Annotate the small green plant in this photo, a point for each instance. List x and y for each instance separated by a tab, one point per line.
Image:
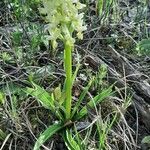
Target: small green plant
107	8
103	128
5	57
143	47
146	139
63	20
99	77
24	9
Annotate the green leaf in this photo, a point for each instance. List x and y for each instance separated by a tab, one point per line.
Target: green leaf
100	7
2	97
82	96
75	73
97	99
48	133
2	135
143	47
146	140
70	141
41	95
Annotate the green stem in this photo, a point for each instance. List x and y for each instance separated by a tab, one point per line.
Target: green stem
68	83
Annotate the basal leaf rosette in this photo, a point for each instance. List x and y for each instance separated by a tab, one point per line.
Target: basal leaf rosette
63	19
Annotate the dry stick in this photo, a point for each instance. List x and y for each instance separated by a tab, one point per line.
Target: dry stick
141	87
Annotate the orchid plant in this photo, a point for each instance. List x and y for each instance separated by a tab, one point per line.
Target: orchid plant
63	19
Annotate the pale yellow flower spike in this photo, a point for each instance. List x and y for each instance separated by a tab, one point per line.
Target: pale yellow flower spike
63	19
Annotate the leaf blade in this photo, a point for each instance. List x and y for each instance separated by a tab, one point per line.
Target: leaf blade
97	99
41	95
70	141
49	132
82	95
